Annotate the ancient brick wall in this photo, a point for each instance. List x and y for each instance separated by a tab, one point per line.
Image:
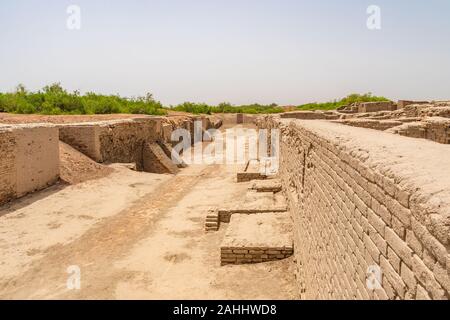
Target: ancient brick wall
29	161
362	198
112	141
239	255
83	137
376	106
122	141
7	166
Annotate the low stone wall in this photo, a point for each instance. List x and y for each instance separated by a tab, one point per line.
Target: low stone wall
362	199
29	159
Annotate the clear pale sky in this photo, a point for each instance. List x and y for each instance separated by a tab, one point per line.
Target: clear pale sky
288	52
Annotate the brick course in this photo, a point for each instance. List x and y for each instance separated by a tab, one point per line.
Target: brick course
349	216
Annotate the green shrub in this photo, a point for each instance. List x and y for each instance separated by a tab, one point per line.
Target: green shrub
225	107
54	99
348	100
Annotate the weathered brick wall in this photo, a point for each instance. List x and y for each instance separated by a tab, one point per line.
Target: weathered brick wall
122	141
83	137
376	106
112	141
7	166
362	198
29	161
239	255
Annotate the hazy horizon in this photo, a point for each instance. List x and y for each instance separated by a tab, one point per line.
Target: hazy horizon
285	52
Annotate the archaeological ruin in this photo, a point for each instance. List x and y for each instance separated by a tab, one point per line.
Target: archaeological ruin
361	189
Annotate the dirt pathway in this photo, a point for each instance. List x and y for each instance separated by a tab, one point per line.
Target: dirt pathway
155	249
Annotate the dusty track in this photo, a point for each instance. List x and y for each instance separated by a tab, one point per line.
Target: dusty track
156	248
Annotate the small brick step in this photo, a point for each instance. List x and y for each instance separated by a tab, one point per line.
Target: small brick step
212	222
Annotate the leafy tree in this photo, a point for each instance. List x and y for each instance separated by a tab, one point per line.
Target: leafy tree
348	100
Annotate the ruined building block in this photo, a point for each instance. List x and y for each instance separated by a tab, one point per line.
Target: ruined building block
362	199
29	159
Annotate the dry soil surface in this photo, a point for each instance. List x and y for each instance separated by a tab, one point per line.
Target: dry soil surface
75	167
132	235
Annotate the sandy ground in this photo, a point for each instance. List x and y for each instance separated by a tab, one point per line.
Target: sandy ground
133	235
75	167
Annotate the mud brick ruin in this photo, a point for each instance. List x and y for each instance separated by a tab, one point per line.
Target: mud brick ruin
359	198
29	159
30	152
364	186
